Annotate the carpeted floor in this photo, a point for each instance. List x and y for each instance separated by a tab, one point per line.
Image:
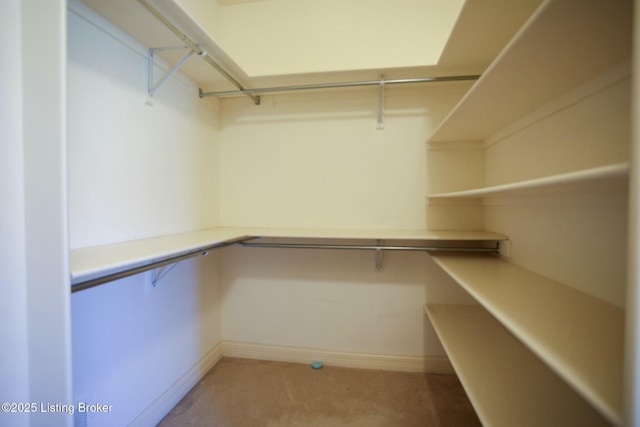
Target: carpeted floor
247	393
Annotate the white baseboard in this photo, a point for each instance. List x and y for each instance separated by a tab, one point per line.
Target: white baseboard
170	398
427	364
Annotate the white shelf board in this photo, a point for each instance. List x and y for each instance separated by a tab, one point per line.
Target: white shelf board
599	178
578	336
369	234
91	262
176	13
87	263
565	44
506	383
133	18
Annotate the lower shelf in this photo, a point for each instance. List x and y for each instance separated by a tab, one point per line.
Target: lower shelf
580	337
507	384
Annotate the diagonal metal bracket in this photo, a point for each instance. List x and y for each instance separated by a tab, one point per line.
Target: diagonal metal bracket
152	87
158	273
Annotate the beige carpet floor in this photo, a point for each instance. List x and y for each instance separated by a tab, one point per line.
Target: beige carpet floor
247	393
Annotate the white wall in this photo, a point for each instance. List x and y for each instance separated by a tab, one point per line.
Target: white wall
632	356
44	133
316	160
334	300
137	171
330	300
133	341
14	368
36	355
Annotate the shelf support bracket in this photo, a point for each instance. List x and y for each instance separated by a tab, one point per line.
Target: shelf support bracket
380	124
379	256
153	87
158	273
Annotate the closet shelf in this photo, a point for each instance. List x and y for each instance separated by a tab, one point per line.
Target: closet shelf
506	383
100	262
139	21
535	68
578	336
163	25
89	263
369	234
604	177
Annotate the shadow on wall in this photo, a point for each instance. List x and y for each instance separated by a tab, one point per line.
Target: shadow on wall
132	341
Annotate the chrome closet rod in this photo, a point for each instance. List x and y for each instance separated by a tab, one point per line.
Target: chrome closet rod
90	283
193	46
340	85
367	247
86	284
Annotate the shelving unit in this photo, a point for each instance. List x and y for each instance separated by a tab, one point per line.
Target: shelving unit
550	56
536	351
579	336
146	28
102	261
539	107
507	384
599	178
92	262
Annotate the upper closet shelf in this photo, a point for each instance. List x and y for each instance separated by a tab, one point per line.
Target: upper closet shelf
214	55
604	177
578	336
536	67
190	30
101	264
222	73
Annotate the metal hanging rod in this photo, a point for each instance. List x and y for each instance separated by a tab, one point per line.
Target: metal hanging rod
252	92
243	241
368	247
153	265
378	248
340	85
195	48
